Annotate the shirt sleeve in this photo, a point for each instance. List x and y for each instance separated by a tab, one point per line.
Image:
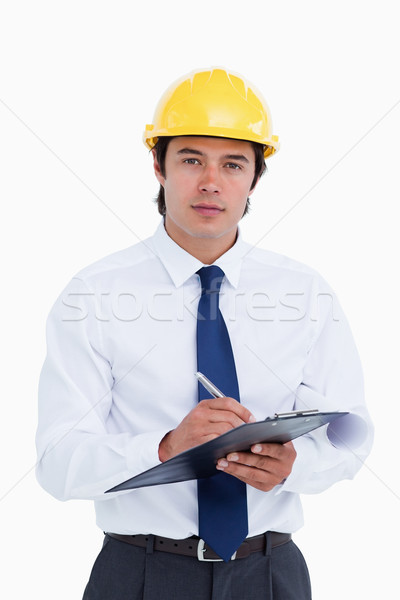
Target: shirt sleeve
77	457
332	381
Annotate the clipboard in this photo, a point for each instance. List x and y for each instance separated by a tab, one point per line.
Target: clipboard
199	462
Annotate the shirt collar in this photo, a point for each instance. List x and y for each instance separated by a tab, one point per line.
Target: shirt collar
181	265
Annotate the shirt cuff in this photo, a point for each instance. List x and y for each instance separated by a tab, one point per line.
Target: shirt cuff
142	451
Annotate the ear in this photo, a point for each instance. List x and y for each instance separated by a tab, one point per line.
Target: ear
157	170
255	185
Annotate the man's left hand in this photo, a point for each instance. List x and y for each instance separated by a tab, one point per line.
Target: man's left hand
264	467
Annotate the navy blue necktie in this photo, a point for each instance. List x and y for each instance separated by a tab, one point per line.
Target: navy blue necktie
222	498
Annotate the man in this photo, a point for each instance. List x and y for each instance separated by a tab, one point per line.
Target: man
118	393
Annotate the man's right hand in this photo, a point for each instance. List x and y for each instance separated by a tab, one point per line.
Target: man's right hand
209	419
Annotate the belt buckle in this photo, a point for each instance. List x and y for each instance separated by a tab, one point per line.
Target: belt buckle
200	554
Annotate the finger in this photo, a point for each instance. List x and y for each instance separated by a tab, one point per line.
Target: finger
272	450
230	405
196	431
215	428
279	465
264	463
257	478
203	415
224	416
278	451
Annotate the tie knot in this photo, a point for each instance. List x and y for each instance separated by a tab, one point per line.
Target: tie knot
211	278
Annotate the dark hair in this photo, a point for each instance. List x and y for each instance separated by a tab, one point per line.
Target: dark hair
161	151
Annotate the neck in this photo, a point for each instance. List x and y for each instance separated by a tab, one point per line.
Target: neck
206	249
208	253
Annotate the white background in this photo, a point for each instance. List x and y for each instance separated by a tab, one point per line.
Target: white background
78	82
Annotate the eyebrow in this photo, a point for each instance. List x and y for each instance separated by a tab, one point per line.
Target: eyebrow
240	157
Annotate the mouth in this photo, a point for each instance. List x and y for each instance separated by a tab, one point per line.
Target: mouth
207	210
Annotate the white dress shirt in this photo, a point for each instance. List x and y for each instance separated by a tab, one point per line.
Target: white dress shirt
119	374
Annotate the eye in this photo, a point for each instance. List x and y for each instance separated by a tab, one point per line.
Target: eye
191	161
233	166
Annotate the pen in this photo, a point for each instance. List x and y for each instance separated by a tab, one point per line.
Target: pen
210	387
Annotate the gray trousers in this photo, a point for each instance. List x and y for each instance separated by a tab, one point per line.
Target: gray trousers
125	572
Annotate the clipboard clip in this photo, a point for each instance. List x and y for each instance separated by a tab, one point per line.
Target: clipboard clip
297	413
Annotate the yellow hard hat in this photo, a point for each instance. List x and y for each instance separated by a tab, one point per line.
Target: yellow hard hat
213	102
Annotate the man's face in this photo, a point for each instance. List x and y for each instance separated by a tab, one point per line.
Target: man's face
206	187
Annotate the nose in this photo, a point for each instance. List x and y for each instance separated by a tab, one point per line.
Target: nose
210	180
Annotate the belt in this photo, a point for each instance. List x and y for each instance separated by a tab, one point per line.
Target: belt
196	547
